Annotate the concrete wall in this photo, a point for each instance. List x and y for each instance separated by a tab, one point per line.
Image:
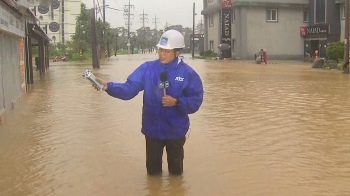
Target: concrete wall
281	39
240	27
214	32
333	20
342	23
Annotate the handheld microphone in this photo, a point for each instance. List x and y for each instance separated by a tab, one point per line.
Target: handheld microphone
164	79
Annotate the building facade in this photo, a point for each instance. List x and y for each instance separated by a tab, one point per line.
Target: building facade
324	26
12	32
341	6
58	19
254	25
18	33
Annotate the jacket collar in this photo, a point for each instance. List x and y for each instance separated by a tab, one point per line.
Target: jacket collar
172	65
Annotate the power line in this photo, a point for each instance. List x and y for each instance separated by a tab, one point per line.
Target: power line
99	8
156	21
128	15
143	19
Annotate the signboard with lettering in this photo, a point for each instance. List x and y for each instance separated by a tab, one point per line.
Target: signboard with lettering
21	63
11	22
226	26
198	35
314	30
226	4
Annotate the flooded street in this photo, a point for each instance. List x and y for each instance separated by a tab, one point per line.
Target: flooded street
276	130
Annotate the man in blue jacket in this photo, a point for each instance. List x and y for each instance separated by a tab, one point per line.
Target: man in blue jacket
172	91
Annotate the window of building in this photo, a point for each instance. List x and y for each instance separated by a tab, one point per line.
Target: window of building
320	11
211	45
233	44
233	15
306	16
211	20
271	15
343	11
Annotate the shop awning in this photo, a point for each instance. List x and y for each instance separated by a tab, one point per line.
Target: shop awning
211	9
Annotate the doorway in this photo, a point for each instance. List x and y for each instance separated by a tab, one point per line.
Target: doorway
314	45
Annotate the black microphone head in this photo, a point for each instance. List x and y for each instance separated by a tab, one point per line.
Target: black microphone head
163	76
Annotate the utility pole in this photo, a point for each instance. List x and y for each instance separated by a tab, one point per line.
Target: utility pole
116	43
194	15
105	41
143	19
346	45
62	26
80	49
155	27
95	60
128	14
155	21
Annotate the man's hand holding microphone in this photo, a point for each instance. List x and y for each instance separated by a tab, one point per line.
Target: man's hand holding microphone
167	100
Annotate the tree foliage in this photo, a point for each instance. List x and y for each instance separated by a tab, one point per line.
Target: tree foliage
143	38
335	51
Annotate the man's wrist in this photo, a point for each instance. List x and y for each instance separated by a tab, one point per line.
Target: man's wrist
177	102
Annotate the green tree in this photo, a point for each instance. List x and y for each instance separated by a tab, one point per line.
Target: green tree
81	39
335	51
83	26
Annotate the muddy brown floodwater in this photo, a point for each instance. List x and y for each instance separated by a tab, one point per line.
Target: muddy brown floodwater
276	130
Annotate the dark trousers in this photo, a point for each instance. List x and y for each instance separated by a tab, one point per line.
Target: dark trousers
175	155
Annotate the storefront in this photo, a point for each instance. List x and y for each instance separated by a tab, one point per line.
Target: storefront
15	52
315	40
198	42
11	55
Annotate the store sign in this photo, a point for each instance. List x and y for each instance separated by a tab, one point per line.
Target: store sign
21	63
11	23
226	26
198	35
226	4
314	30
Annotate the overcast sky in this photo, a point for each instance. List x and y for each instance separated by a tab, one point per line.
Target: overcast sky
172	11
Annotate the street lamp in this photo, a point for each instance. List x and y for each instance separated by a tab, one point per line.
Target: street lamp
346	33
194	16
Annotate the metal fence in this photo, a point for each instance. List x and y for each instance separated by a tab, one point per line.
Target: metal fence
10	72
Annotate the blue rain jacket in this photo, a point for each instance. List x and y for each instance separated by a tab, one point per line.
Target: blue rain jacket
161	122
